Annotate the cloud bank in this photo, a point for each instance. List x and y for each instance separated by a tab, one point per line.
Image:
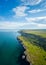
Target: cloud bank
24	25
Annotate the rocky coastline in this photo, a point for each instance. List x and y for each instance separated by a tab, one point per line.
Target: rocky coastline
23	59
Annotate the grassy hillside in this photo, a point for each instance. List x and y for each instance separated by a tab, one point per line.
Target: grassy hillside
35	44
41	33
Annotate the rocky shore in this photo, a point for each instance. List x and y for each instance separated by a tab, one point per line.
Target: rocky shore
23	59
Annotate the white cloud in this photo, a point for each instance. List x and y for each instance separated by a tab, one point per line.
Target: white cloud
36	11
20	25
31	2
33	22
33	25
42	25
20	11
35	19
11	25
39	25
15	25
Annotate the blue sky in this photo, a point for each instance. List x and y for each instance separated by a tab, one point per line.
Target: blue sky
22	14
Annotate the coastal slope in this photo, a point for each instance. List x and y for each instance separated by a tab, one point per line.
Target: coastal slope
35	44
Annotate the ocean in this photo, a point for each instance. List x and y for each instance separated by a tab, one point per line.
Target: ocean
10	48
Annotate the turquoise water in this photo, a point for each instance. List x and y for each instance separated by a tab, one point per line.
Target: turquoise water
10	48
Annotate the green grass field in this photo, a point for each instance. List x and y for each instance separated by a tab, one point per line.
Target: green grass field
35	45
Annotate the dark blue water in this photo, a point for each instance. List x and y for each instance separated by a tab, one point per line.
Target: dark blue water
10	48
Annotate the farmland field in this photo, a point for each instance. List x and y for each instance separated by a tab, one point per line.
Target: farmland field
34	41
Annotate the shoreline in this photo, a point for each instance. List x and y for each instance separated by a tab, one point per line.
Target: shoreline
24	54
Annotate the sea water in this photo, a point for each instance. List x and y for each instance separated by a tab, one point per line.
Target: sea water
10	48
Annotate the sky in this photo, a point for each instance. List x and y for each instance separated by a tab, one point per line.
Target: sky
22	14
